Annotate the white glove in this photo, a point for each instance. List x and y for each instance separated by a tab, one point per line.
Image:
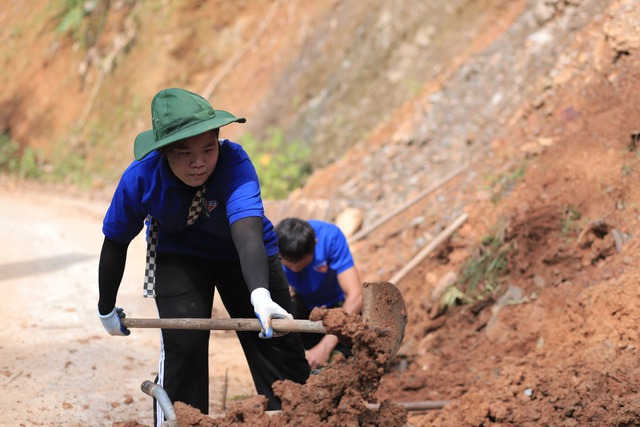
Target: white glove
112	323
266	309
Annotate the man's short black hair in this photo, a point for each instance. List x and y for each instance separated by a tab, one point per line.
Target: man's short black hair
296	239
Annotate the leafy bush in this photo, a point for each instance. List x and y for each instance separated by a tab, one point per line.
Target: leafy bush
281	167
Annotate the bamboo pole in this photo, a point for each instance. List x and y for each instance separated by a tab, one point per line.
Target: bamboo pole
365	231
445	234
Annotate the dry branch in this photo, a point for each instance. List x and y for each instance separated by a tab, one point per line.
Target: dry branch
365	231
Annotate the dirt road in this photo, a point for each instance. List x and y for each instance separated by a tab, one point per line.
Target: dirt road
57	364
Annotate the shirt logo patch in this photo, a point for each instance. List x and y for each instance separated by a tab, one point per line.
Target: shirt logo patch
321	267
211	205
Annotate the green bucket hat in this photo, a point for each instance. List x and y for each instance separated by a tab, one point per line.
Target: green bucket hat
178	114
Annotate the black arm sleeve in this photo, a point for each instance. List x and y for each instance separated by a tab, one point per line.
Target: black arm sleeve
110	271
248	238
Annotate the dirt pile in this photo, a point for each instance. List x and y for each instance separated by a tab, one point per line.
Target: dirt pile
341	394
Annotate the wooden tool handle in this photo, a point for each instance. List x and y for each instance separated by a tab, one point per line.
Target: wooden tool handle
279	325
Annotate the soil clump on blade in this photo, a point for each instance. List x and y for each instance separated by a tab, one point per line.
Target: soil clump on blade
341	394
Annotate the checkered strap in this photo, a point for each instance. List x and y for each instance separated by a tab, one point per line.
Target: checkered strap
197	205
149	290
196	208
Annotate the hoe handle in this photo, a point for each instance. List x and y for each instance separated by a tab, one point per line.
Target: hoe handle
279	325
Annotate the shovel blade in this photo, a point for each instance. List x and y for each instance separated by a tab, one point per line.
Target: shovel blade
383	308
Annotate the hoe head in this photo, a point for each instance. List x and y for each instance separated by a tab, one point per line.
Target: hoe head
383	309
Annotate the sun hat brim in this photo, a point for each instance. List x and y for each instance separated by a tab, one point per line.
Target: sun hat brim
146	141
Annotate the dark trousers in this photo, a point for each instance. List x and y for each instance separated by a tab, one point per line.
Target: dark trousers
185	288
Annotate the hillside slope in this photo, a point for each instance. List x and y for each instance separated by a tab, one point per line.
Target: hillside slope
556	344
324	72
538	100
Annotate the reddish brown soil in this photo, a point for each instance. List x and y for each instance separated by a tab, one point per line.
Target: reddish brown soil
562	348
338	395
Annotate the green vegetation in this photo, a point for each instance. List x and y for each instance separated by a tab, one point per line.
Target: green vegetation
505	183
29	164
25	165
481	273
570	221
281	167
70	167
452	295
82	20
9	154
71	17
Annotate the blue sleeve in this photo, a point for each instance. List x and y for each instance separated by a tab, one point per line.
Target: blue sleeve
125	217
339	255
241	185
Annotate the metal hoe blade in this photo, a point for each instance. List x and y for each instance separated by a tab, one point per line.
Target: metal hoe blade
383	308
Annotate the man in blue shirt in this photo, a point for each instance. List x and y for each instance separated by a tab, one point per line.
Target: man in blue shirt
321	272
200	198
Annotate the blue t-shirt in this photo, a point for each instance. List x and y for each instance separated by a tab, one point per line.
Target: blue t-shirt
317	284
149	188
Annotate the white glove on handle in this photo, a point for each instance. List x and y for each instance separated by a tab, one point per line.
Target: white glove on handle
112	323
266	309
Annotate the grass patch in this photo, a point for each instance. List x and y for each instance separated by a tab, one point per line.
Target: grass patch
481	273
503	184
67	165
26	165
570	222
9	154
